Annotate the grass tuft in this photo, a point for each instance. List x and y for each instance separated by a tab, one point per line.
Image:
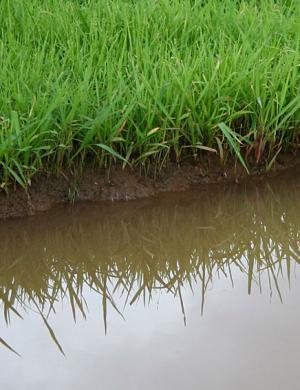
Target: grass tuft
132	82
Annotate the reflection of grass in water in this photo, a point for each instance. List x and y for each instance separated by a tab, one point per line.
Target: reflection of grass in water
177	247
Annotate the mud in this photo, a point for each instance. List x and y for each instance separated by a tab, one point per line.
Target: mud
115	184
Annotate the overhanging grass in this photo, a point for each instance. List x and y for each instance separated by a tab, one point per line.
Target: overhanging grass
133	81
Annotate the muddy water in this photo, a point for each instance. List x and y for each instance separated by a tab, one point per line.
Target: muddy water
193	291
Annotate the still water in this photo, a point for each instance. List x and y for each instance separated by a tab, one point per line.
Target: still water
191	291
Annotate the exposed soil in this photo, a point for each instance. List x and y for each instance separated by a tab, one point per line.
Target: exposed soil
97	185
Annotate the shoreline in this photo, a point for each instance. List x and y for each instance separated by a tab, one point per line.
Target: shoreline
117	184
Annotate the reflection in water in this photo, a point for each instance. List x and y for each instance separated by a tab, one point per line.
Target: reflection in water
126	253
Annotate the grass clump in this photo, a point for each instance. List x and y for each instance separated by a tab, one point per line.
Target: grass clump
143	82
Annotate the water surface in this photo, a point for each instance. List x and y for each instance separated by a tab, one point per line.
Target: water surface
190	291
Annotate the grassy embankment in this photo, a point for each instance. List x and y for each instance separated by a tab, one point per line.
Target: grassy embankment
143	82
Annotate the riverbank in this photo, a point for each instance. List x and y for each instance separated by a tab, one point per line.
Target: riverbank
100	185
148	85
150	289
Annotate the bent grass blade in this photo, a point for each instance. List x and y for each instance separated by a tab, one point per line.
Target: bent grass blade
234	142
6	345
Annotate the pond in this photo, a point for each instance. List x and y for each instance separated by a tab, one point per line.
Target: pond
183	291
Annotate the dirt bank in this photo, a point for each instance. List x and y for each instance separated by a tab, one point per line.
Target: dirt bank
46	191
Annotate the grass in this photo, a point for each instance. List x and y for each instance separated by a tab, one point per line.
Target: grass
145	82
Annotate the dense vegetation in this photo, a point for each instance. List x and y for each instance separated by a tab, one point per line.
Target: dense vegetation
143	82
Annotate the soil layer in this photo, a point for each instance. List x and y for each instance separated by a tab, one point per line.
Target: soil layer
98	185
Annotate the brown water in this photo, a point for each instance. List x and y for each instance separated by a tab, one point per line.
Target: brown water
191	291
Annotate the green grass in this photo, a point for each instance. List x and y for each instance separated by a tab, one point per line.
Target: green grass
143	82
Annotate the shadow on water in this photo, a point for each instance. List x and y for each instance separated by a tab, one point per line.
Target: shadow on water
126	252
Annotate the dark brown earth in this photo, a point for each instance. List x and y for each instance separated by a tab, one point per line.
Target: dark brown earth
98	185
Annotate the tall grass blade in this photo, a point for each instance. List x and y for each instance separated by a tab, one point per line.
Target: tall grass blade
233	141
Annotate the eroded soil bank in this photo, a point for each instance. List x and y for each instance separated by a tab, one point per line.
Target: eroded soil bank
151	289
98	185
